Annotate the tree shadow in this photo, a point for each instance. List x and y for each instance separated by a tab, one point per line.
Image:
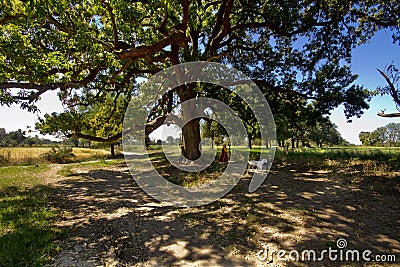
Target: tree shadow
25	217
111	220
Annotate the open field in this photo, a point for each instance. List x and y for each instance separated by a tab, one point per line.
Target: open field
33	155
90	214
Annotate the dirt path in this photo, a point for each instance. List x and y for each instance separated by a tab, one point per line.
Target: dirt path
109	221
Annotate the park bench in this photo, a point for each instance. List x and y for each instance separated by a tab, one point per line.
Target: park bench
257	165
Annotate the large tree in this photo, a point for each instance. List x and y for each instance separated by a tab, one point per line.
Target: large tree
87	49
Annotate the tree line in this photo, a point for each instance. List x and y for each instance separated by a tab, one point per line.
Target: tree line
388	135
19	138
303	134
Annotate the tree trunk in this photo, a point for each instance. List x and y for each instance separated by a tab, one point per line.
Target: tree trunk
191	139
112	150
191	131
249	142
293	142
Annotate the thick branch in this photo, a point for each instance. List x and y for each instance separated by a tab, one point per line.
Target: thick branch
11	17
59	25
147	51
149	128
393	91
389	115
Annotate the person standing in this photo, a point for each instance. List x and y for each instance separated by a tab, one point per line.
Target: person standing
224	154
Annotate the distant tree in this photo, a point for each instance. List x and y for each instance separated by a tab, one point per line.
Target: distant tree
365	138
3	135
388	135
325	132
213	130
17	137
170	140
73	141
393	134
30	141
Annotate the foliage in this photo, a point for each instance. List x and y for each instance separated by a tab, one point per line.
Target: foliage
325	132
102	120
59	154
212	129
296	51
388	135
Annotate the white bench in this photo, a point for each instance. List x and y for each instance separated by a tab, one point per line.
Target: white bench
257	165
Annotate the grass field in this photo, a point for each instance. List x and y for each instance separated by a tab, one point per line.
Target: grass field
29	210
33	155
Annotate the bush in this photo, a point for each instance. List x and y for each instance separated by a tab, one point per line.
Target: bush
5	158
59	154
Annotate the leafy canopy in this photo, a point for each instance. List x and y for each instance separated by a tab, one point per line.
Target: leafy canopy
90	50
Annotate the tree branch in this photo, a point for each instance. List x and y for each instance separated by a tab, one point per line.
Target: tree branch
112	18
389	115
59	25
149	128
393	91
147	51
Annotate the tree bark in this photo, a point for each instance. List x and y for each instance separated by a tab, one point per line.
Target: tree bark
389	115
191	140
112	149
249	142
191	131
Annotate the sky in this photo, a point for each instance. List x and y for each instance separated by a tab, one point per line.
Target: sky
366	58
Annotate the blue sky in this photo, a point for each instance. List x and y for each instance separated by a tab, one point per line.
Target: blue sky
366	58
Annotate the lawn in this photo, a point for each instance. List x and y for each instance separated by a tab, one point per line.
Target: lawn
26	216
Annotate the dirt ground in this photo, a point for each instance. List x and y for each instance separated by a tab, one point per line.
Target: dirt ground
109	221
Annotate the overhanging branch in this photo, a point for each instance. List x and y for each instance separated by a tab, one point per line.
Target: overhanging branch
389	115
149	128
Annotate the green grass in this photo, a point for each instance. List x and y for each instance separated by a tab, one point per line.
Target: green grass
26	216
320	156
21	176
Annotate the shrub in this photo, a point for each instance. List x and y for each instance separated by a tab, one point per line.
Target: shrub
5	158
59	154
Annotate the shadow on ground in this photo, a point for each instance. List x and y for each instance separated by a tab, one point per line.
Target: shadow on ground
110	221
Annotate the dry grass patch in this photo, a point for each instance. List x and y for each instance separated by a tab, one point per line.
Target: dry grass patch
33	155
